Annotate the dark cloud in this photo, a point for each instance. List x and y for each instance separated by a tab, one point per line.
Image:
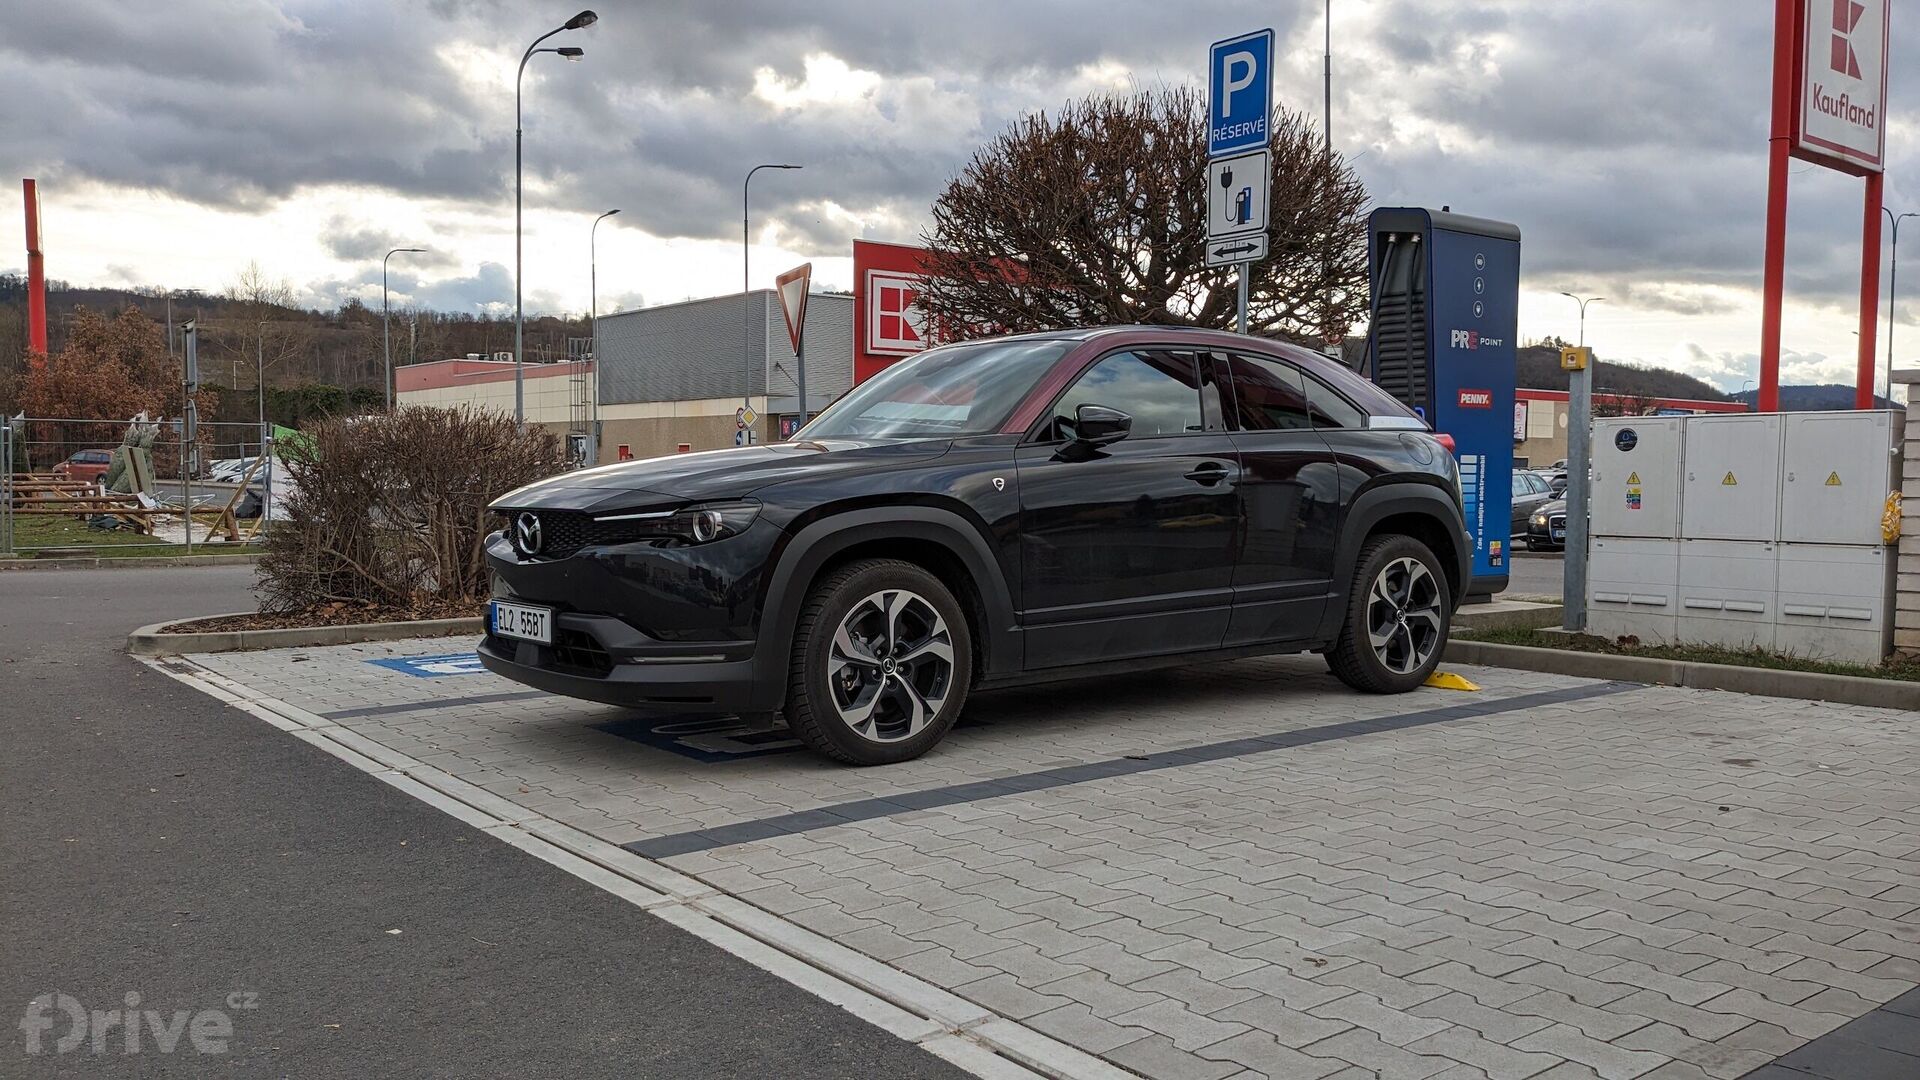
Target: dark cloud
1627	139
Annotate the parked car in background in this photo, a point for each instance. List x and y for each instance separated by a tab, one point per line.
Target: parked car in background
1530	491
1557	483
988	514
88	465
229	470
1547	527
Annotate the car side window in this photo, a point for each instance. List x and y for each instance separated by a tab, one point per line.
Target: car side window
1330	410
1268	395
1160	390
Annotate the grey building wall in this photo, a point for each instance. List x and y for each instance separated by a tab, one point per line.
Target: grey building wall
693	350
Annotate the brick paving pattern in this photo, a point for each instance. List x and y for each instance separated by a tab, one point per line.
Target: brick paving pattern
1645	881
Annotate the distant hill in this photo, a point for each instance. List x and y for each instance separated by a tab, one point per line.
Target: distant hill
1826	397
1540	370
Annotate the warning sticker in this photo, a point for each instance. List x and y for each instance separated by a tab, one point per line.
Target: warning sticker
1729	481
1633	498
1633	478
1833	479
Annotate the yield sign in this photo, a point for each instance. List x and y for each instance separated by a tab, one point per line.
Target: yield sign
792	287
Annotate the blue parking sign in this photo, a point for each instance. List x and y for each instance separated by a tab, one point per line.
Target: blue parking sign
1240	92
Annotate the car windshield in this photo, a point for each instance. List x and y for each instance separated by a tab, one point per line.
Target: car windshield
955	390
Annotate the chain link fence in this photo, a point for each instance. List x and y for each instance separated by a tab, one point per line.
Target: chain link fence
119	487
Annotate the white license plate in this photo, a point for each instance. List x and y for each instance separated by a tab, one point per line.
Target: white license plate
1559	534
522	621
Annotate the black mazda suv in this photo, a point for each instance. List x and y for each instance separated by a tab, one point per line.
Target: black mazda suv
988	514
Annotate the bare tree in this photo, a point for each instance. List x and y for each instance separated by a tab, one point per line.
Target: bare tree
1097	214
264	325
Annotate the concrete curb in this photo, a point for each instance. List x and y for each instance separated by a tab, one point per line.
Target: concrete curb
1505	614
149	641
131	562
1768	682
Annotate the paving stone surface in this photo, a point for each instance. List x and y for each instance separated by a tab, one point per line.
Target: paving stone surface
1615	882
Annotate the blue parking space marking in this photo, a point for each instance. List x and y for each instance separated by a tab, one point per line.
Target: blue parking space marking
433	667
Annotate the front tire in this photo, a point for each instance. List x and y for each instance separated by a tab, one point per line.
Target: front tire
882	663
1399	612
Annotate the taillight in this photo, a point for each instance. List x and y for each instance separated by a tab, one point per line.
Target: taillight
1446	440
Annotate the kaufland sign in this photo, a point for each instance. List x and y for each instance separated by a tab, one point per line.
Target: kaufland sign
1842	114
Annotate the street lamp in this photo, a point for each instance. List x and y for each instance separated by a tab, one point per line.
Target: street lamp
593	326
386	338
1583	312
746	307
1573	590
1893	283
585	18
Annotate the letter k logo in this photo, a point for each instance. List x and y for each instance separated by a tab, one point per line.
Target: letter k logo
1846	16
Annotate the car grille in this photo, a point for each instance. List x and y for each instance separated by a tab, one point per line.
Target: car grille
564	532
1557	521
579	650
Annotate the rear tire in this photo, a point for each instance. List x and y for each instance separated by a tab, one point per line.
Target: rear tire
1399	612
882	663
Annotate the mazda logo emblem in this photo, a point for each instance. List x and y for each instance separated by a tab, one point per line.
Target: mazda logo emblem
526	534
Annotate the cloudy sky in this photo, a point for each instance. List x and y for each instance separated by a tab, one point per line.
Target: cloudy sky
177	142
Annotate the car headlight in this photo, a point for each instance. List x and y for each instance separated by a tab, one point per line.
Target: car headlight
1539	519
701	524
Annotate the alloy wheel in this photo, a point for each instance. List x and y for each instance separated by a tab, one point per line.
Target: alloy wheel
891	665
1404	621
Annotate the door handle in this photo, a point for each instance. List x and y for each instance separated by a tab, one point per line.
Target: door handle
1209	474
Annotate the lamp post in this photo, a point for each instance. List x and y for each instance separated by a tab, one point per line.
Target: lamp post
386	337
1893	283
593	331
585	18
746	307
260	376
1573	582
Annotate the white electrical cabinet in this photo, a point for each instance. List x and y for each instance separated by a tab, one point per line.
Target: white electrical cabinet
1746	530
1834	602
1732	467
1632	588
1836	472
1727	593
1636	476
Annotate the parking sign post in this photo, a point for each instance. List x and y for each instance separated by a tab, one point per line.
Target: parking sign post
1239	165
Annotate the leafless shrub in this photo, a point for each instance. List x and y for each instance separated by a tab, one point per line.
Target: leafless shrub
390	511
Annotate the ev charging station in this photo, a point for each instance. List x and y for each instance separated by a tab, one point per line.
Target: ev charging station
1446	296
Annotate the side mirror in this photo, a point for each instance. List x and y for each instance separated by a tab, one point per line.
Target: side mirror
1097	425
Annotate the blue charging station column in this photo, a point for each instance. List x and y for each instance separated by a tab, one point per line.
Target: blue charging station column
1445	312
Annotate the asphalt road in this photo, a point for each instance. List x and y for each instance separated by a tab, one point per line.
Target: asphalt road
160	844
1535	575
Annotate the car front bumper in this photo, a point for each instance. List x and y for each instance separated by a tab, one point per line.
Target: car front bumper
667	628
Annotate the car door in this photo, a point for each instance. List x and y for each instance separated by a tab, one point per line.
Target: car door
1290	494
1127	549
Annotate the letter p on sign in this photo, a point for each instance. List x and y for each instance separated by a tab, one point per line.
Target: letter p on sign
1239	73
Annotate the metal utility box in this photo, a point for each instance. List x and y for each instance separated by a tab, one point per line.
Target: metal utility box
1637	476
1633	588
1836	471
1834	602
1727	593
1732	487
1446	296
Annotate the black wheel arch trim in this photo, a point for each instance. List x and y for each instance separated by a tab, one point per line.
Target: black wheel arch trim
1383	501
815	545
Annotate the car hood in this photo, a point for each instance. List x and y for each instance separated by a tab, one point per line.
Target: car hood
732	473
1557	506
